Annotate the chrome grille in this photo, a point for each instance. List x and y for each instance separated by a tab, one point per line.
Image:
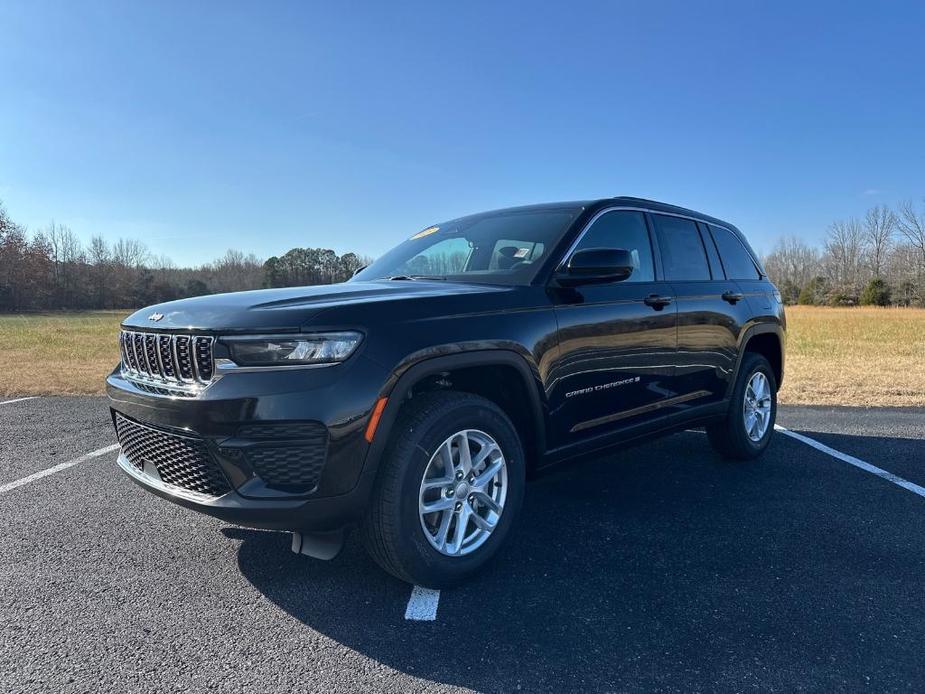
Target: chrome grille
174	361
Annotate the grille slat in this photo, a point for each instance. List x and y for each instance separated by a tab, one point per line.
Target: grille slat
203	353
151	355
139	347
126	362
183	362
165	350
182	461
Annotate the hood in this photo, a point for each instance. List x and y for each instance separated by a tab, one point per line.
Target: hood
287	309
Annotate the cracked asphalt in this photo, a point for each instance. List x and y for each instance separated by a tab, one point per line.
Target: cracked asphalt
655	568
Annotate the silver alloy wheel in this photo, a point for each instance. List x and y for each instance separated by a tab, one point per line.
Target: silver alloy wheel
463	491
757	406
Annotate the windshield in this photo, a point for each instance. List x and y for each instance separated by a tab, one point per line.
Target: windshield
502	247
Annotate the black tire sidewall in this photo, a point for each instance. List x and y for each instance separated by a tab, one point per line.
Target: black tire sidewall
415	451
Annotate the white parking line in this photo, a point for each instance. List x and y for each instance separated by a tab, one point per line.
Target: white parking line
7	402
57	468
422	605
857	462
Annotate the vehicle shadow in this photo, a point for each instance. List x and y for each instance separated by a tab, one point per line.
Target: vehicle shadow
659	567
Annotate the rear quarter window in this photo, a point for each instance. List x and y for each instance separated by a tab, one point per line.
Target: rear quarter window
737	262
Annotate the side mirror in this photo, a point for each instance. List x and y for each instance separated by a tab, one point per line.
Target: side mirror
597	266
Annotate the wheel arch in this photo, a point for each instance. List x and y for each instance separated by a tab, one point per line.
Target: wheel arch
484	372
766	339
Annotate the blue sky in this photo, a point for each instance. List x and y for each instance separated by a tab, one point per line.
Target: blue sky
203	126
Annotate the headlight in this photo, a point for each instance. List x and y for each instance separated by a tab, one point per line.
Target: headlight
293	350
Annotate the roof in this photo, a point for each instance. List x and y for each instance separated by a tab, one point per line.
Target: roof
657	206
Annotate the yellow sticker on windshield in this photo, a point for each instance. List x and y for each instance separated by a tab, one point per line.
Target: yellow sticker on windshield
427	232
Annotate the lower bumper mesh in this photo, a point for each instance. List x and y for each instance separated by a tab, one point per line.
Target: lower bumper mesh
182	461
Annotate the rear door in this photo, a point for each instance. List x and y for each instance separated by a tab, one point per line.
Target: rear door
741	270
711	310
617	342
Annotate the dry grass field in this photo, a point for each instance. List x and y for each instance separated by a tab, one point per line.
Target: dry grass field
849	356
855	356
58	353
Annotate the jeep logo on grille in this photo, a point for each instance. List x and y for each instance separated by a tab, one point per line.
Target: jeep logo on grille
155	316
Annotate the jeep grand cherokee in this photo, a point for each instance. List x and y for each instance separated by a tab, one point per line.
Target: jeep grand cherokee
414	400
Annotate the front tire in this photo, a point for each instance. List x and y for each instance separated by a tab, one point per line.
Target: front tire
746	430
449	488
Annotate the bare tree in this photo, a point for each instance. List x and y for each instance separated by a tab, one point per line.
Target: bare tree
791	264
844	252
235	271
129	253
66	255
879	228
911	224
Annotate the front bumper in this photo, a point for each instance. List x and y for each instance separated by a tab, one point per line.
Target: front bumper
243	414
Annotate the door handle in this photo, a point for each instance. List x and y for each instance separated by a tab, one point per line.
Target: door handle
733	297
657	302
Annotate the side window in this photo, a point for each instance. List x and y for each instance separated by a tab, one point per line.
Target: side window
736	260
623	229
683	255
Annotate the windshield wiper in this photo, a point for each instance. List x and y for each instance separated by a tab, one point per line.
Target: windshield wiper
414	277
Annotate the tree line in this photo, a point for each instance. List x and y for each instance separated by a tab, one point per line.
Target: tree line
878	259
875	260
52	269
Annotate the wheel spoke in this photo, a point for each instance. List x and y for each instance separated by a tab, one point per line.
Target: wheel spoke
437	482
482	481
441	504
483	454
750	419
446	456
444	529
465	454
484	498
459	534
482	523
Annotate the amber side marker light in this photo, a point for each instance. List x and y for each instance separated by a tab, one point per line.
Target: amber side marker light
374	419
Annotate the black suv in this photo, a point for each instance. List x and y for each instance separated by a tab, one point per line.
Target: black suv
415	399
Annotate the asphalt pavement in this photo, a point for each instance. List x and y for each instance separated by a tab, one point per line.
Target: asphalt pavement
656	568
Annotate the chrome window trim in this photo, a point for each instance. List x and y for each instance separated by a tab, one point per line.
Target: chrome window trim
627	208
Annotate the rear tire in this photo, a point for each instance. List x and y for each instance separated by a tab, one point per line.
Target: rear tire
749	423
424	467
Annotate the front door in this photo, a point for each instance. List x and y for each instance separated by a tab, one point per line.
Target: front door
617	341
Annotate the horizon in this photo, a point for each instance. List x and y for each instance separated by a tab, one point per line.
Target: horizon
220	127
